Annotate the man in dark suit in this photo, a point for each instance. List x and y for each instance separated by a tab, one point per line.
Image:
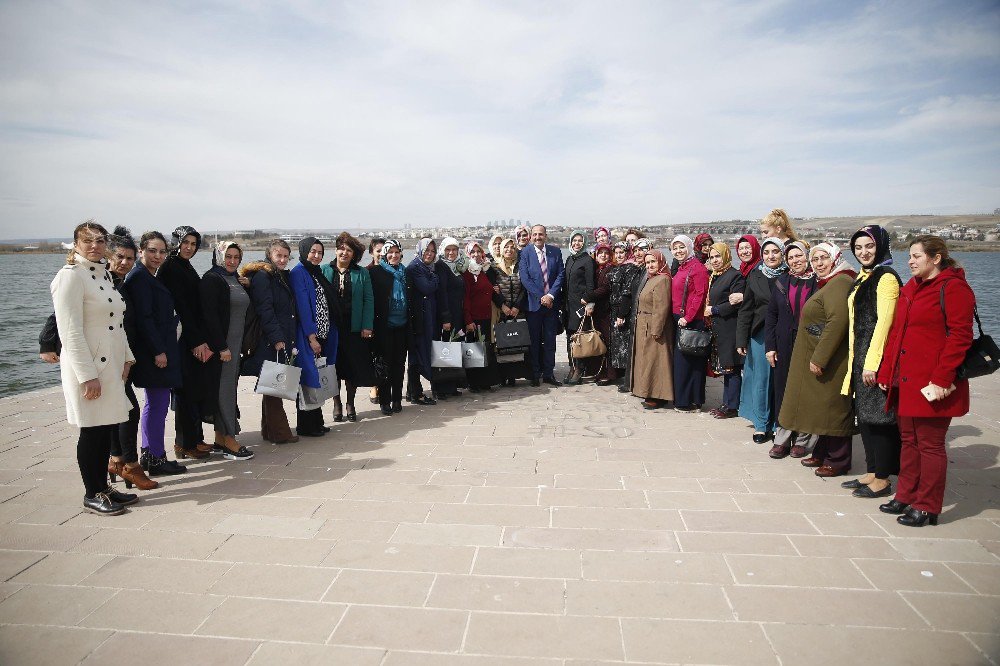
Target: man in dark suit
541	270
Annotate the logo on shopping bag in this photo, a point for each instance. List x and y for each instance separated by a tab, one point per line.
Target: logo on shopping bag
445	351
324	381
280	378
469	353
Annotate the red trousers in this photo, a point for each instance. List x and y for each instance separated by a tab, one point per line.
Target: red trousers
923	462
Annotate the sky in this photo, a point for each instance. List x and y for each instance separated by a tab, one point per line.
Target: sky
248	114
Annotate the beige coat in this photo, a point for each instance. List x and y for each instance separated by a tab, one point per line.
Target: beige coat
652	361
90	319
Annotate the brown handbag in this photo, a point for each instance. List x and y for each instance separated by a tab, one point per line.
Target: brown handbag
587	344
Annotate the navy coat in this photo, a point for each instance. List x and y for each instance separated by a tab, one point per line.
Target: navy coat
724	315
422	284
155	330
275	307
450	299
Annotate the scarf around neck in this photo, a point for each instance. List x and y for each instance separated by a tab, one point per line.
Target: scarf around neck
397	301
767	270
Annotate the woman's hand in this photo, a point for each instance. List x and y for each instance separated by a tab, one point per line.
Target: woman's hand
772	357
127	369
815	369
314	345
514	312
884	387
366	333
49	357
708	310
160	360
225	356
279	345
244	281
742	351
505	310
589	310
736	299
868	377
619	322
682	322
202	352
92	389
446	326
469	328
938	392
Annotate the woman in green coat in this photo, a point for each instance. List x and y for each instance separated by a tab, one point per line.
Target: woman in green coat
813	403
354	316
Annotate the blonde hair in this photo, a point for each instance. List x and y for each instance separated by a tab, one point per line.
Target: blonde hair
87	224
778	220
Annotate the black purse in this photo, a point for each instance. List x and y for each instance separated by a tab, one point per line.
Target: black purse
982	357
690	341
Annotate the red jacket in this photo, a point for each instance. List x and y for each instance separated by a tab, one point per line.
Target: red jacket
478	304
918	352
695	275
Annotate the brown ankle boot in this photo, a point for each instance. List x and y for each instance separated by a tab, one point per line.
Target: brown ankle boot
194	452
115	468
134	475
205	448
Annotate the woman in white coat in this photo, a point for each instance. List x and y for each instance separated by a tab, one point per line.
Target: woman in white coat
94	363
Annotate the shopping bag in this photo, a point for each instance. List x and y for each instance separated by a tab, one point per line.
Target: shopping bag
279	380
474	353
312	398
512	336
446	353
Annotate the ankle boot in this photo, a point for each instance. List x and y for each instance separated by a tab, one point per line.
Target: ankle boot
134	475
116	468
194	452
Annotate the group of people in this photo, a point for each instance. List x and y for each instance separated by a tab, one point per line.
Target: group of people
809	350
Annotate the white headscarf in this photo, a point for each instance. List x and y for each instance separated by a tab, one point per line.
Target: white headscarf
839	264
457	266
687	242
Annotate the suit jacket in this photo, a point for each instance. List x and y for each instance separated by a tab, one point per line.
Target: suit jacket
531	275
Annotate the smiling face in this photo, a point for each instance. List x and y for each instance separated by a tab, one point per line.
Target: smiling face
232	259
679	250
864	251
315	256
523	237
822	263
451	252
631	239
538	236
620	255
509	251
603	257
123	261
715	260
923	265
153	254
393	256
576	243
495	247
772	256
652	265
345	253
477	254
602	236
744	251
797	261
279	257
706	246
189	245
429	254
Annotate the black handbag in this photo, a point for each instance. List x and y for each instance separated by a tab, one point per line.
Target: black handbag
691	341
512	336
982	357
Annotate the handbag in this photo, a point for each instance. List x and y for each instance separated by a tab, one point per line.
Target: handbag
512	336
586	344
279	380
446	353
691	341
310	397
983	357
474	353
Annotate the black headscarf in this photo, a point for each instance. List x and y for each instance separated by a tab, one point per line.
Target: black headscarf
315	271
883	244
178	235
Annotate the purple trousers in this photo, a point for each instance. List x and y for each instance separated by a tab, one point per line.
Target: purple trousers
153	420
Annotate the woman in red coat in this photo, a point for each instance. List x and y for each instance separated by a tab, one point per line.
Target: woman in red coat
477	309
931	332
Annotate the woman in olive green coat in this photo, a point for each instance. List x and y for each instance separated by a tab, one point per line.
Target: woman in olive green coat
813	403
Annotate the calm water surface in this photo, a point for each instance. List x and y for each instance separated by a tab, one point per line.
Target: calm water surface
27	302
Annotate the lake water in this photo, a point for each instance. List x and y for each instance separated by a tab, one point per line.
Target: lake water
27	303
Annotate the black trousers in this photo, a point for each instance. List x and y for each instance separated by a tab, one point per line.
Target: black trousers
124	437
92	450
393	351
187	418
882	444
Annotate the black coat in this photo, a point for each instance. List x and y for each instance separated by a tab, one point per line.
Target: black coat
450	298
214	293
382	283
155	330
579	282
724	315
753	310
274	304
184	283
781	325
421	296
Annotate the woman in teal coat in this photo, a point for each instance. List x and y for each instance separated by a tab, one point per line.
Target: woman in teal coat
355	316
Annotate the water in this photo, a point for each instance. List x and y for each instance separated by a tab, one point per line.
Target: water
28	302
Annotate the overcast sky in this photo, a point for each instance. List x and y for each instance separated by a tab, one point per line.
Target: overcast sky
235	115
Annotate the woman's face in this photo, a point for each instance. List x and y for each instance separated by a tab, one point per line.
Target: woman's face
522	238
495	248
744	251
706	246
797	261
394	256
640	255
864	251
923	265
631	239
509	251
451	252
315	256
377	249
123	261
679	250
279	257
345	253
576	243
232	259
189	245
430	253
91	244
652	265
620	255
602	236
715	260
822	263
603	257
772	256
153	254
477	254
767	231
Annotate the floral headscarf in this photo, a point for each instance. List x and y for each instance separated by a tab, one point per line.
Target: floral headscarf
474	266
641	244
800	245
422	246
502	264
583	250
699	240
839	265
219	256
764	268
601	247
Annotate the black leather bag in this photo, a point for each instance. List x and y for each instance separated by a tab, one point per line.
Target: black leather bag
983	356
691	341
512	336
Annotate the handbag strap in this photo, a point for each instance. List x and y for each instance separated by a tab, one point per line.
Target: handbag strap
944	313
684	295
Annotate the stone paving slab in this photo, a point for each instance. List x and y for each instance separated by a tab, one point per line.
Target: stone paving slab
521	527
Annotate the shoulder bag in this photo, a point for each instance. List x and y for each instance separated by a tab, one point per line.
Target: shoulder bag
586	344
982	357
690	341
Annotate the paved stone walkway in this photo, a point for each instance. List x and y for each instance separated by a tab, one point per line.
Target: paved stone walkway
529	526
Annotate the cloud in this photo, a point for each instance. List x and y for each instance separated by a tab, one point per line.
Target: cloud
237	115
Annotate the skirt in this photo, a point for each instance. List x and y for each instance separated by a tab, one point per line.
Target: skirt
757	393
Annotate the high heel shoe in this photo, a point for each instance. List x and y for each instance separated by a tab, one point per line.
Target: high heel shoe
917	518
352	414
133	475
115	469
338	411
893	506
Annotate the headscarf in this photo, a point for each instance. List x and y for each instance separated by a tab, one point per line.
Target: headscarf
747	267
219	257
518	229
604	246
688	243
605	230
494	238
699	240
388	245
501	263
623	245
583	250
883	245
801	245
474	267
315	272
839	265
663	266
727	258
422	245
457	266
178	235
764	268
397	301
639	243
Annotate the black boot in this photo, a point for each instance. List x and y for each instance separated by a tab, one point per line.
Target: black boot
917	518
159	466
893	506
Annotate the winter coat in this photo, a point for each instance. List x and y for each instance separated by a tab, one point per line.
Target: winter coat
450	299
184	283
579	282
724	315
477	304
652	361
274	304
422	289
156	327
753	310
781	326
919	351
90	320
689	289
362	305
304	290
382	283
814	404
